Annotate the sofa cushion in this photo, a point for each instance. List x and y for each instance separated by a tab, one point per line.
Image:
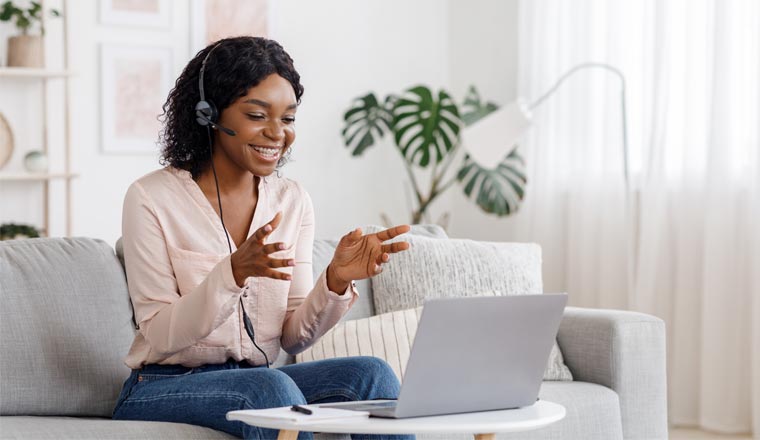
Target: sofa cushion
387	336
100	428
66	326
592	413
456	267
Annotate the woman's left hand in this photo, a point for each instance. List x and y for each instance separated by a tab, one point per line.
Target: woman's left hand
362	256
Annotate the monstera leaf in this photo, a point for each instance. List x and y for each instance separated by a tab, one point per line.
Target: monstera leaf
424	126
473	109
366	119
426	130
499	191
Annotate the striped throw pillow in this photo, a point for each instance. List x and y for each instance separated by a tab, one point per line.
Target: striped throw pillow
388	336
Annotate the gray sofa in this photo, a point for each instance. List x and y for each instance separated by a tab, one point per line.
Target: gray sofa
66	324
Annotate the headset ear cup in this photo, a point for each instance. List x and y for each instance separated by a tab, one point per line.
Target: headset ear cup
205	111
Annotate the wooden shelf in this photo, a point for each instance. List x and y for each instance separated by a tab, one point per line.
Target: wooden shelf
20	177
26	72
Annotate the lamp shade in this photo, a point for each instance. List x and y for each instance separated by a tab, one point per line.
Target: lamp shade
491	138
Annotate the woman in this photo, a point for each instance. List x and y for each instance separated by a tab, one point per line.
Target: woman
218	256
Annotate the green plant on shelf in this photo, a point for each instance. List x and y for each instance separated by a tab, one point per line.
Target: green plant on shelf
25	17
12	231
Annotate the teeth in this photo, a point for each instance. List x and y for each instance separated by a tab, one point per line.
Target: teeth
271	152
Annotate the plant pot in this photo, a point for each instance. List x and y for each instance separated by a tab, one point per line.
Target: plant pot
25	51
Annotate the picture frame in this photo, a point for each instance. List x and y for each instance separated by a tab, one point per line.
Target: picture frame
134	83
136	13
213	20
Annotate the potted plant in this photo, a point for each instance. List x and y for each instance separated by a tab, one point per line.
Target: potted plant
12	231
25	50
426	130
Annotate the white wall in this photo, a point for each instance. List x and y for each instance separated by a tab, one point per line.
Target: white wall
342	49
104	178
484	53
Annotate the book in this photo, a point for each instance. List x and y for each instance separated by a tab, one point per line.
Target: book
318	414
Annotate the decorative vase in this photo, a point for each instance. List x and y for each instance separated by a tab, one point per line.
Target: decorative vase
36	162
25	51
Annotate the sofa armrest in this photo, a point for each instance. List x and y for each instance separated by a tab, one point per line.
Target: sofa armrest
624	351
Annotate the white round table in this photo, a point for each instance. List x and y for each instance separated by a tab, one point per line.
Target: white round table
483	425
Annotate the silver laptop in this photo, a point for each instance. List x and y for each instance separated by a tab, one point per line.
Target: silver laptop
474	354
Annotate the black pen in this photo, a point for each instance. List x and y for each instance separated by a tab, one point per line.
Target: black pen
301	409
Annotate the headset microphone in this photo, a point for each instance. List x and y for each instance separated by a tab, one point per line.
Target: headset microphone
224	129
202	113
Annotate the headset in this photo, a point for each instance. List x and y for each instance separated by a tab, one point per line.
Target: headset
207	115
205	110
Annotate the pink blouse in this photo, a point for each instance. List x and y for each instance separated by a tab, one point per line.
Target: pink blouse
185	298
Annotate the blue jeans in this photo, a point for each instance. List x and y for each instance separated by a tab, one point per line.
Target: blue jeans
203	395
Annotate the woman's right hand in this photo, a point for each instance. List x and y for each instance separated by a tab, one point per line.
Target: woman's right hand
252	258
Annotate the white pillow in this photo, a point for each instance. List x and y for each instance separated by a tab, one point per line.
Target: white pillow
389	336
434	268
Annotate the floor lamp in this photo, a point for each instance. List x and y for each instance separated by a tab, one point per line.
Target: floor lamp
509	123
505	126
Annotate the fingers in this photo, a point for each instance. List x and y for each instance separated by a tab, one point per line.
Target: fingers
277	262
277	275
382	258
352	237
275	247
267	229
393	232
281	262
392	248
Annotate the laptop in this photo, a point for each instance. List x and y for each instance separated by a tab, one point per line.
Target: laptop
474	354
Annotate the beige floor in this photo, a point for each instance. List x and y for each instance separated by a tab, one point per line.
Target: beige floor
688	434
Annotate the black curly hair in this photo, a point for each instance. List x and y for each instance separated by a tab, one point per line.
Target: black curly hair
236	65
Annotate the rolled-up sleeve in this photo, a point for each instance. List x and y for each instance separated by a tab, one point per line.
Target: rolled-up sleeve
312	308
170	322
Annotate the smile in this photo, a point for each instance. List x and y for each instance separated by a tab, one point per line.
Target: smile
267	153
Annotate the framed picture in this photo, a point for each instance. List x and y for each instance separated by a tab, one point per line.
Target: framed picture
212	20
138	13
134	84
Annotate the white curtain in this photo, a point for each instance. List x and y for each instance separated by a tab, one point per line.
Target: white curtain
683	241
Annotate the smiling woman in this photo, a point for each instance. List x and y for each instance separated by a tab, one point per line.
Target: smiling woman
197	271
237	66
